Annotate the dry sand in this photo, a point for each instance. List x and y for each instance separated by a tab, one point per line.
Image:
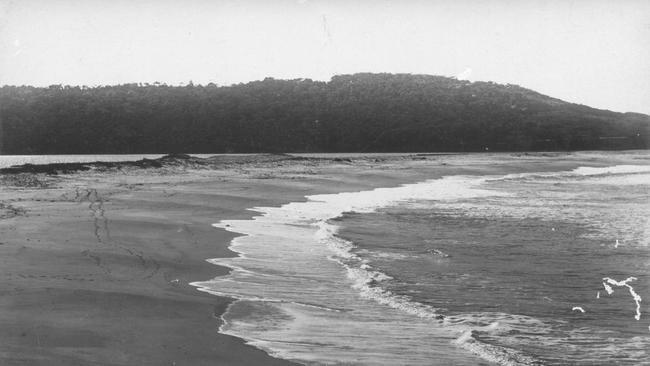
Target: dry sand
96	264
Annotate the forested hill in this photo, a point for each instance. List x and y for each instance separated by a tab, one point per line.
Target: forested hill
361	112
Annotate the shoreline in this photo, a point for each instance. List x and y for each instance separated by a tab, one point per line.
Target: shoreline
248	288
90	301
98	263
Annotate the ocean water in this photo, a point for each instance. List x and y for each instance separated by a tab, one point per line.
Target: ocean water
547	268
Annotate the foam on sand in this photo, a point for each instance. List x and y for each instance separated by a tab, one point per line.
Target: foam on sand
304	294
309	288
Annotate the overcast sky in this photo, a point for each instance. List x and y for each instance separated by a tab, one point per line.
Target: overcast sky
585	51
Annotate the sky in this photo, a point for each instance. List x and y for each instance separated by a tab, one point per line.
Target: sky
592	52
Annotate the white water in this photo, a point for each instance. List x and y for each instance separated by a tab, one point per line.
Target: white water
304	295
317	302
316	299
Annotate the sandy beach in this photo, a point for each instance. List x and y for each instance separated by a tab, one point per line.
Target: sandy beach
96	264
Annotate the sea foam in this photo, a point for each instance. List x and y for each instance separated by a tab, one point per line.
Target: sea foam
281	262
616	169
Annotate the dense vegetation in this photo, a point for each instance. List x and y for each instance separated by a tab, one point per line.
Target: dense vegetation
361	112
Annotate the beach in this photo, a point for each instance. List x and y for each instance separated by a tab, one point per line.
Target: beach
97	264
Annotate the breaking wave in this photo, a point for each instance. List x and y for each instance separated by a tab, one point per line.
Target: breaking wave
279	263
368	282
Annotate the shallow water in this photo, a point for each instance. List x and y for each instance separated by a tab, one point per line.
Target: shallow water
537	252
463	270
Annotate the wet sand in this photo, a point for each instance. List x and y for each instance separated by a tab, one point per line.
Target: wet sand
96	265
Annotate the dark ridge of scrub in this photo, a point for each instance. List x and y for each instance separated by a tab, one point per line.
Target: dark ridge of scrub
167	161
33	175
350	113
66	168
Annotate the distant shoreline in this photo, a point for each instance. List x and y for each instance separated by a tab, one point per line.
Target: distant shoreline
211	161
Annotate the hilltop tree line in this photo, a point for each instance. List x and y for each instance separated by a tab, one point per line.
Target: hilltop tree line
350	113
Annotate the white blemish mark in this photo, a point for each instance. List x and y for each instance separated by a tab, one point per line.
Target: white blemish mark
326	31
465	74
552	229
635	296
578	308
608	288
598	295
617	243
19	50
